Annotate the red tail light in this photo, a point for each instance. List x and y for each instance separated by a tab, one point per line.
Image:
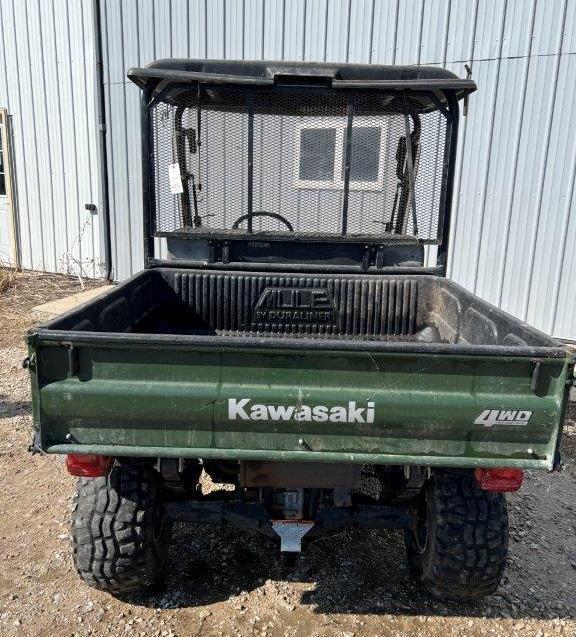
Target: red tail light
500	480
88	465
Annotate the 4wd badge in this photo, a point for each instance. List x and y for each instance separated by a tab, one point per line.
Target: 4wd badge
491	417
294	305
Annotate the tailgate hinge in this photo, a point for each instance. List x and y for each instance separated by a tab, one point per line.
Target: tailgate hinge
366	258
380	257
225	252
213	249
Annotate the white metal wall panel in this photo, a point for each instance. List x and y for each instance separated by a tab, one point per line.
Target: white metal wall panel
47	84
360	31
473	164
514	205
557	192
489	29
522	212
384	32
461	31
498	177
549	26
409	32
435	20
518	28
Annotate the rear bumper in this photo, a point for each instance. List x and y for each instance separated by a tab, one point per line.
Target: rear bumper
463	462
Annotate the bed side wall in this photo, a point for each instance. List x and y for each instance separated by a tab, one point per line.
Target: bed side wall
355	305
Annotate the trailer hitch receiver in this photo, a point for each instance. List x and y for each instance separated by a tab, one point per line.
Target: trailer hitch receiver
291	533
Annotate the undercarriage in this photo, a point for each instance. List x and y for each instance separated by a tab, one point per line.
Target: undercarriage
292	502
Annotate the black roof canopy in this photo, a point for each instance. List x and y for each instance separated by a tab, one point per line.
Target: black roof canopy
270	73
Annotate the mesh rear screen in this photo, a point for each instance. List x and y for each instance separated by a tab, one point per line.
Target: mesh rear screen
286	156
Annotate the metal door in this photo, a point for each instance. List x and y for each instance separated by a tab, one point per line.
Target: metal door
8	251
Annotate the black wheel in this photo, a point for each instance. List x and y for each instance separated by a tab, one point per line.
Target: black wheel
458	544
119	536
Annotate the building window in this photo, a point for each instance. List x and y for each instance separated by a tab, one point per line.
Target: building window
317	154
321	149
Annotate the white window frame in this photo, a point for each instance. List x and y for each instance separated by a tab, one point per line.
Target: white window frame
5	124
340	125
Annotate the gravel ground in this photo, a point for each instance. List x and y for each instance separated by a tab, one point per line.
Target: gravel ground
225	582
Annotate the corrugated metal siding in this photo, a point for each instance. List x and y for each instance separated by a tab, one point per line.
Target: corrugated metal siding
47	84
514	206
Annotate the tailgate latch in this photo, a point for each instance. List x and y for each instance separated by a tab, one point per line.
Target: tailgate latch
29	363
366	258
72	359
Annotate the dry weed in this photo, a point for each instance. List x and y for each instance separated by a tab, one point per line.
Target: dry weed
20	292
7	279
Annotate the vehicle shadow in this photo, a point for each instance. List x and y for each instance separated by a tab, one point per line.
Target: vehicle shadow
360	572
10	408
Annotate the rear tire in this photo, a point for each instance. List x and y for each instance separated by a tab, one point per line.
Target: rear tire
458	545
119	536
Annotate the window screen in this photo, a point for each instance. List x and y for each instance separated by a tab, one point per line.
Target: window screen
277	152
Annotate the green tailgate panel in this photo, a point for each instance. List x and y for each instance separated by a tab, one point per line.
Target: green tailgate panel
315	405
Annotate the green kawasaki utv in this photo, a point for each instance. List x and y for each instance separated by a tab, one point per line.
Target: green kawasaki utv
293	332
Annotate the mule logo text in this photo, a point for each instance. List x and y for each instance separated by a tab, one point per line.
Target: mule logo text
294	305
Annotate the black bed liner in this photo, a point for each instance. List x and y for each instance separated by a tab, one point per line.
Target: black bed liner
414	313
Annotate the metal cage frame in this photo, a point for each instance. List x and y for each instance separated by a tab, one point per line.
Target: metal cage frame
442	95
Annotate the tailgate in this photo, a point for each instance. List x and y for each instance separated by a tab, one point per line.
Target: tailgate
294	401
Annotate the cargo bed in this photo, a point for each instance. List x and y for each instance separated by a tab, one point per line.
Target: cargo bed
359	308
200	363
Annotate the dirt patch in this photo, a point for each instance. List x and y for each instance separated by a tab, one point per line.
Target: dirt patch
21	291
225	582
